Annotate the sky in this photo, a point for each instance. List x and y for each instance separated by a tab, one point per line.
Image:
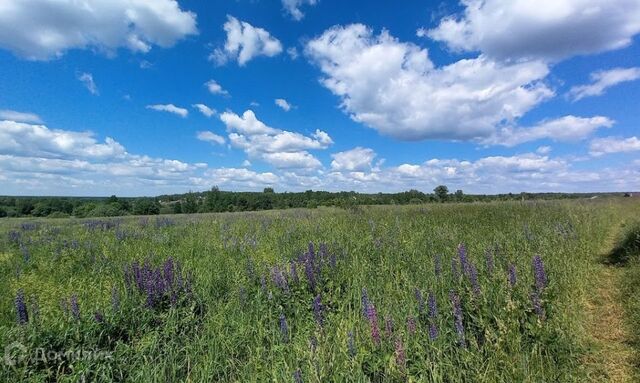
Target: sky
132	97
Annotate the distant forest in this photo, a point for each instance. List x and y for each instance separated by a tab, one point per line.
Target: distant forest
216	200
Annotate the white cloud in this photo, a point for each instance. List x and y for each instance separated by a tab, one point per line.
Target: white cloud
394	87
544	150
215	88
24	139
210	137
170	108
293	53
45	29
282	103
293	7
543	29
356	159
241	177
608	145
87	80
602	80
12	115
205	110
566	129
280	148
245	42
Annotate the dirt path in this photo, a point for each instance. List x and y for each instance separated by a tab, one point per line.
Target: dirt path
613	355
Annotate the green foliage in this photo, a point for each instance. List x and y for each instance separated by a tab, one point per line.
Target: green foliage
441	192
231	332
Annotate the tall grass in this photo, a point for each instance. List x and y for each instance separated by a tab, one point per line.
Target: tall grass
247	317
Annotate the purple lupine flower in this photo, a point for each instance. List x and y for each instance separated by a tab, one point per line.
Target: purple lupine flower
75	307
98	317
537	304
284	328
513	275
317	310
279	280
420	300
351	344
294	272
401	357
539	274
411	324
433	306
437	266
457	316
21	308
372	316
388	326
115	299
464	260
365	302
309	270
297	376
473	278
169	272
433	331
490	261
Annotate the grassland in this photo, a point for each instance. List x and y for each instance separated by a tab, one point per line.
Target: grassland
490	292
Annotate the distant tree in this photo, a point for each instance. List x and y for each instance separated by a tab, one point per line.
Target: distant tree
112	199
441	192
146	206
177	208
190	204
459	195
268	191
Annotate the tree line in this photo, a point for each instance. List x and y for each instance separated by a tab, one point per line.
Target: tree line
216	200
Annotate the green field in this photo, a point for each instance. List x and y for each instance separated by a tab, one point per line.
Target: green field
424	293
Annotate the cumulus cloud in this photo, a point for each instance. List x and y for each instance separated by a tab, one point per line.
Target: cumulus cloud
544	29
245	42
280	148
211	137
12	115
283	104
608	145
215	88
169	108
356	159
566	129
45	29
241	177
602	80
87	80
394	88
204	109
292	7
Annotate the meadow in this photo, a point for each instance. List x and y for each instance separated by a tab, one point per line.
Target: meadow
477	292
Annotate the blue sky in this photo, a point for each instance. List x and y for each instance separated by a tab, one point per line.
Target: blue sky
144	98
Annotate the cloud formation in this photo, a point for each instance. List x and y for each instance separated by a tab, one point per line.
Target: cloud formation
292	7
169	108
245	42
46	29
602	80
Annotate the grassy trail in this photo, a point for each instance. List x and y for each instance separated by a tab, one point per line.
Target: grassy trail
614	354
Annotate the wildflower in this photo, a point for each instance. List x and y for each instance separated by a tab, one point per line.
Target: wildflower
309	270
21	308
433	307
457	316
537	304
473	278
513	277
284	328
317	309
293	271
411	324
26	255
464	261
372	316
401	357
539	274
